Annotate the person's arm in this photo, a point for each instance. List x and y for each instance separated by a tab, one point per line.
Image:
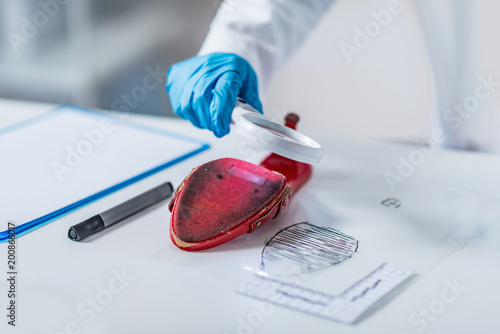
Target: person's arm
264	32
248	41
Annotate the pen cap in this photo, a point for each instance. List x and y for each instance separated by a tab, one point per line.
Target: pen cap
86	228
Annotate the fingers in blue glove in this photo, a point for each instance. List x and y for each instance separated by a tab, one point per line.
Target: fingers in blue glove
183	106
224	98
203	89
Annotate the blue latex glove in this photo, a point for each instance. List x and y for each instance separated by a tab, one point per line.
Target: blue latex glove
203	89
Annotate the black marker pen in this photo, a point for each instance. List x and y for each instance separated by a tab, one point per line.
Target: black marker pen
114	215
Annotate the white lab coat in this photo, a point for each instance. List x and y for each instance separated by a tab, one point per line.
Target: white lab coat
267	32
264	32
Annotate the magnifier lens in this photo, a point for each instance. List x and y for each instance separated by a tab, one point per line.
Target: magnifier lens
277	133
275	137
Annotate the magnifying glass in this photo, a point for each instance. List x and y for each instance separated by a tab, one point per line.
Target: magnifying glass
273	136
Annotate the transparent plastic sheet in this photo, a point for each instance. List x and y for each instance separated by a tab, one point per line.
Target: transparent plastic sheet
423	222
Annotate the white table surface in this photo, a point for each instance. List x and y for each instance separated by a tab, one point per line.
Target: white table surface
170	291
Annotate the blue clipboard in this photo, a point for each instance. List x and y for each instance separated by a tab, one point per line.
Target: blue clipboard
69	157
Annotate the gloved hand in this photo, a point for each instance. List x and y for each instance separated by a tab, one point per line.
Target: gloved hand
203	89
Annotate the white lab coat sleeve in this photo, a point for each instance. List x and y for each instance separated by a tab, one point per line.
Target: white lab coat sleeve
264	32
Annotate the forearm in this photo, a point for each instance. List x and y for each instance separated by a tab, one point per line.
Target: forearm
264	32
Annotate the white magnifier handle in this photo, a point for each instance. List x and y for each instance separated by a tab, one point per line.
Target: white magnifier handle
241	108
